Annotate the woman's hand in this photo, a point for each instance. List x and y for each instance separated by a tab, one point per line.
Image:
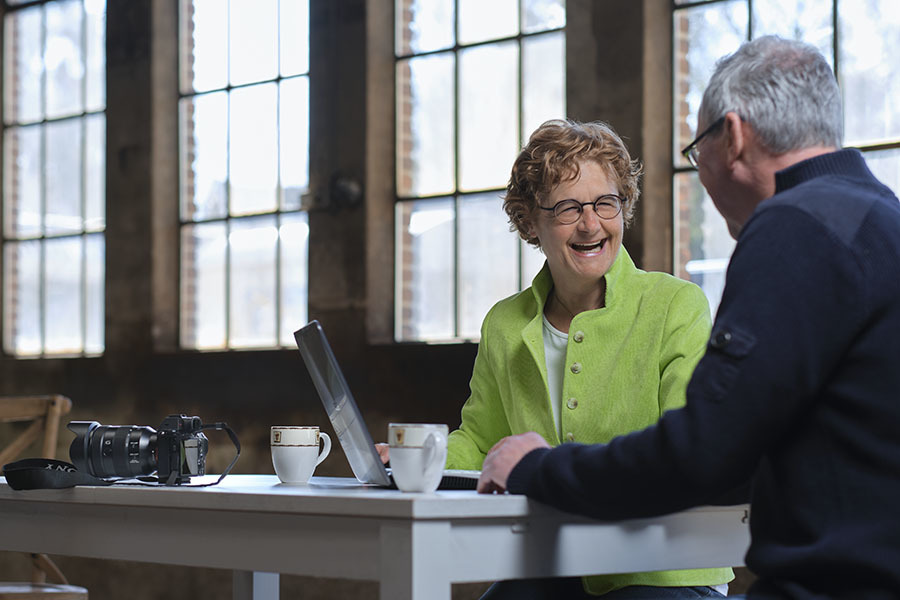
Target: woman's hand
384	452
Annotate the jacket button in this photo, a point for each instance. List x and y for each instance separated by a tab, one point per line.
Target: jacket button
570	437
578	336
572	403
720	339
576	367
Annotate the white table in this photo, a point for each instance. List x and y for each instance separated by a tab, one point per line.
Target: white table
415	545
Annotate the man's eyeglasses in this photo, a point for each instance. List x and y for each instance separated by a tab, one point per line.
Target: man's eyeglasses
691	152
607	206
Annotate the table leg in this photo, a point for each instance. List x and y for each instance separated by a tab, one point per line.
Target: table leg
415	557
254	585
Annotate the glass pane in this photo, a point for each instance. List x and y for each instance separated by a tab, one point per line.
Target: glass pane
702	35
293	109
540	15
425	140
543	81
95	172
886	167
488	260
22	298
63	172
253	45
63	58
425	290
869	70
95	267
204	31
488	123
22	181
532	262
807	20
480	20
253	149
252	296
423	25
702	242
95	57
203	286
63	296
204	156
294	237
293	22
23	65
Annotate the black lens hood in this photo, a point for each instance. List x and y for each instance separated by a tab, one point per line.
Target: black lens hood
78	451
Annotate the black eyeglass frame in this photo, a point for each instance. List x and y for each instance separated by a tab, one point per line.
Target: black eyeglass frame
572	202
690	152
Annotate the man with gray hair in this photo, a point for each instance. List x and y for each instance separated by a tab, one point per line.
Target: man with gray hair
798	394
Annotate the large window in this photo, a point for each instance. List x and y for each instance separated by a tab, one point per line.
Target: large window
860	38
244	125
473	80
54	208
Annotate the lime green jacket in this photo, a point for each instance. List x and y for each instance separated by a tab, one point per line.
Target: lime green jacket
626	364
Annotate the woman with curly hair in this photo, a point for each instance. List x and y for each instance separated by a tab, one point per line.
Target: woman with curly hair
596	347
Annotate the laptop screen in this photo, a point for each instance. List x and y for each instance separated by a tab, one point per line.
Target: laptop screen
339	404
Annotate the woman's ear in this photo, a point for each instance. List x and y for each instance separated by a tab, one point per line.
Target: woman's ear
530	230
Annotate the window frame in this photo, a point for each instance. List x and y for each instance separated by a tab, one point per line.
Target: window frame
457	195
43	238
679	167
184	95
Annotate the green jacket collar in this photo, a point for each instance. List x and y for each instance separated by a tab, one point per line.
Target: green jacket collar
533	332
543	281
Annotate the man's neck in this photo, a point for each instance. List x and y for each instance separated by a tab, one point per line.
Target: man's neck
758	176
772	163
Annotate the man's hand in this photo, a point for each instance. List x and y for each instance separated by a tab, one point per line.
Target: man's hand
503	457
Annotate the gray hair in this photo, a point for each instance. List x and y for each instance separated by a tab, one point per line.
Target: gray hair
783	88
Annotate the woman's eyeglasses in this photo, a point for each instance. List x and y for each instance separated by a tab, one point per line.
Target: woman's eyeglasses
607	206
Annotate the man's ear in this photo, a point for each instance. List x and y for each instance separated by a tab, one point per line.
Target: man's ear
734	130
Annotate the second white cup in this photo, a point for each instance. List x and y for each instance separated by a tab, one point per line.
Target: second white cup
418	455
295	451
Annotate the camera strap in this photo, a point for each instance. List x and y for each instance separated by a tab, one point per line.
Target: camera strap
46	473
237	454
172	480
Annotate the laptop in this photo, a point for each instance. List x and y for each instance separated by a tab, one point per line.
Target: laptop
346	419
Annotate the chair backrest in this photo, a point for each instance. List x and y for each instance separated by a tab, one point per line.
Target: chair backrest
42	413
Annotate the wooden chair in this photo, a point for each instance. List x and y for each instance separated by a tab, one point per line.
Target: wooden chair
42	415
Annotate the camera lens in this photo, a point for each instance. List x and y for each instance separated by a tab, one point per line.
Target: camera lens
113	450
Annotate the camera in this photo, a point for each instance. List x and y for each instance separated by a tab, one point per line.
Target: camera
176	452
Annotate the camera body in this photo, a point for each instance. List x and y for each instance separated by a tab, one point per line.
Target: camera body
176	452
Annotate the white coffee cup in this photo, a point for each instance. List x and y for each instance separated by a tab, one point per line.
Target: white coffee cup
418	455
295	452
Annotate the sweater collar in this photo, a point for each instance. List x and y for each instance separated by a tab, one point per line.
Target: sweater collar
849	162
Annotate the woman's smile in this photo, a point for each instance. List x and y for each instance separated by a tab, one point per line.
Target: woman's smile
580	253
590	248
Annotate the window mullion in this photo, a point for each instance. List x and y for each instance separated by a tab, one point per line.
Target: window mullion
520	135
456	198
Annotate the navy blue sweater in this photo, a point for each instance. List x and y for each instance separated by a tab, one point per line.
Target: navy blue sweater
798	394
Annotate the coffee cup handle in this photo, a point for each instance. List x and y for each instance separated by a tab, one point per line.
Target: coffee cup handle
435	442
326	447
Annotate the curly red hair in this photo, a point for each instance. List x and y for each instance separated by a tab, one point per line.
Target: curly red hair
552	156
